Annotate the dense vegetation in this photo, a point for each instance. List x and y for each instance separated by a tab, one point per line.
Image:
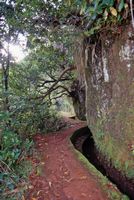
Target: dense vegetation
30	88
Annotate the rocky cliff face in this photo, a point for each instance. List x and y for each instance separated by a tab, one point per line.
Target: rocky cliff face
109	72
78	86
78	98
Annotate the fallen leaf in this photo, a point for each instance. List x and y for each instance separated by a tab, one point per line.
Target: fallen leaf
50	184
66	173
39	192
38	171
31	186
83	194
83	177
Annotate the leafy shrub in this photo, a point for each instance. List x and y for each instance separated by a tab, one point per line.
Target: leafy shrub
12	156
31	118
12	147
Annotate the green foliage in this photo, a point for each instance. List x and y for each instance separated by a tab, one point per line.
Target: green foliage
102	13
30	118
14	169
10	147
33	119
13	181
124	197
8	181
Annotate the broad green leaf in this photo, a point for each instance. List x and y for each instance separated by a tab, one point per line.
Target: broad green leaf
108	2
10	185
121	5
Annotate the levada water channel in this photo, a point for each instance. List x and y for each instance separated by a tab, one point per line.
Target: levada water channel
83	141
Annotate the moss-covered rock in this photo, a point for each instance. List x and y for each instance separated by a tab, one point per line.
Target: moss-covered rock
109	73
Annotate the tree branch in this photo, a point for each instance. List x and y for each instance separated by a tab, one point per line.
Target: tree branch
52	81
52	87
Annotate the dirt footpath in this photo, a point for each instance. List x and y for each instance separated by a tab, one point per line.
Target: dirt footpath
59	175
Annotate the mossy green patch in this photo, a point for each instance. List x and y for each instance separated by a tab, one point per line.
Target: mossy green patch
113	148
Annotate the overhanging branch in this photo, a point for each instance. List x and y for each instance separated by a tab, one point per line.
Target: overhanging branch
53	86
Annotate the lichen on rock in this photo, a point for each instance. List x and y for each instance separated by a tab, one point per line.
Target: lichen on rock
110	94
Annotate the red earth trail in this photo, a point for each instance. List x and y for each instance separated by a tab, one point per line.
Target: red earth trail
59	175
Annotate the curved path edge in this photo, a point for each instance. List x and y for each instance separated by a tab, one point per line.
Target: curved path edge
62	173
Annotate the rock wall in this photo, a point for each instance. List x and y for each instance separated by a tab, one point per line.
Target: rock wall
77	92
78	86
110	83
109	72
